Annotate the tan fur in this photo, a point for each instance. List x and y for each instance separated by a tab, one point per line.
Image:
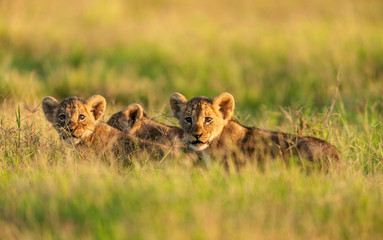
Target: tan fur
78	123
207	124
133	120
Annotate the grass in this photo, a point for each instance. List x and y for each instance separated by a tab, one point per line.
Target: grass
280	61
193	204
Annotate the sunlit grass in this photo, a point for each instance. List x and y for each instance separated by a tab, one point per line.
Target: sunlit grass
279	60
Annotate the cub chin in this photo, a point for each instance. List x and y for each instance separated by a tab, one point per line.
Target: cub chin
78	123
208	125
134	121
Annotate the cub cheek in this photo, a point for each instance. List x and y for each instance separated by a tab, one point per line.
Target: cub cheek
189	137
185	126
61	129
79	132
57	126
206	137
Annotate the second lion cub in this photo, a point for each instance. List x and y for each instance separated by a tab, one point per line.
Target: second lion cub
208	124
133	120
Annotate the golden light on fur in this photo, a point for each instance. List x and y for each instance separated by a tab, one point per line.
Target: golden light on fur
224	103
134	121
78	123
201	118
96	105
73	118
207	124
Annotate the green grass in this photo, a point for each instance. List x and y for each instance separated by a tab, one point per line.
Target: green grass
95	201
280	61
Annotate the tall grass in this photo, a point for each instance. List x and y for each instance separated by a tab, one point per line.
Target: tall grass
280	61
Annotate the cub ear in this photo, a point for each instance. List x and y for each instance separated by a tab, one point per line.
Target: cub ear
177	103
225	104
50	106
133	113
96	106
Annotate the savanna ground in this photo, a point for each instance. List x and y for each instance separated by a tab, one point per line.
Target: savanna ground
279	60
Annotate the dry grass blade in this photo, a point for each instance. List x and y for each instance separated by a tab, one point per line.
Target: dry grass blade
334	98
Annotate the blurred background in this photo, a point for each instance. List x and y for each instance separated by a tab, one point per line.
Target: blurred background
266	54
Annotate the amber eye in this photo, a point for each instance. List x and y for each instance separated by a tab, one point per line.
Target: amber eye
208	119
81	117
62	117
188	120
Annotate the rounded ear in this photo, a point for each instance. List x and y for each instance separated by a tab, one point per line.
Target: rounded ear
133	113
96	106
50	106
177	103
225	104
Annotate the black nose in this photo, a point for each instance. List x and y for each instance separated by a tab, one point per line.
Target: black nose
197	135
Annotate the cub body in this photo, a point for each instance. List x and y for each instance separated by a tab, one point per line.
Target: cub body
133	120
208	125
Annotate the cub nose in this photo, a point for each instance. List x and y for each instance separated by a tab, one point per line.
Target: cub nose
71	128
197	135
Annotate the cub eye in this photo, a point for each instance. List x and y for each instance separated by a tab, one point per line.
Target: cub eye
208	119
81	117
62	117
188	119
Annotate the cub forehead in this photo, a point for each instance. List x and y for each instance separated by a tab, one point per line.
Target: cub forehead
73	103
200	106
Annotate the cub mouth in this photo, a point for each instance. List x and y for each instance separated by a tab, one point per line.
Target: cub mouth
197	142
198	145
66	136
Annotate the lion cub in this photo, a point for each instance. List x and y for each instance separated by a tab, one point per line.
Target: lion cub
133	120
208	124
78	123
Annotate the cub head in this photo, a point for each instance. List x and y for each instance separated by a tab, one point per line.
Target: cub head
73	118
129	119
201	118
